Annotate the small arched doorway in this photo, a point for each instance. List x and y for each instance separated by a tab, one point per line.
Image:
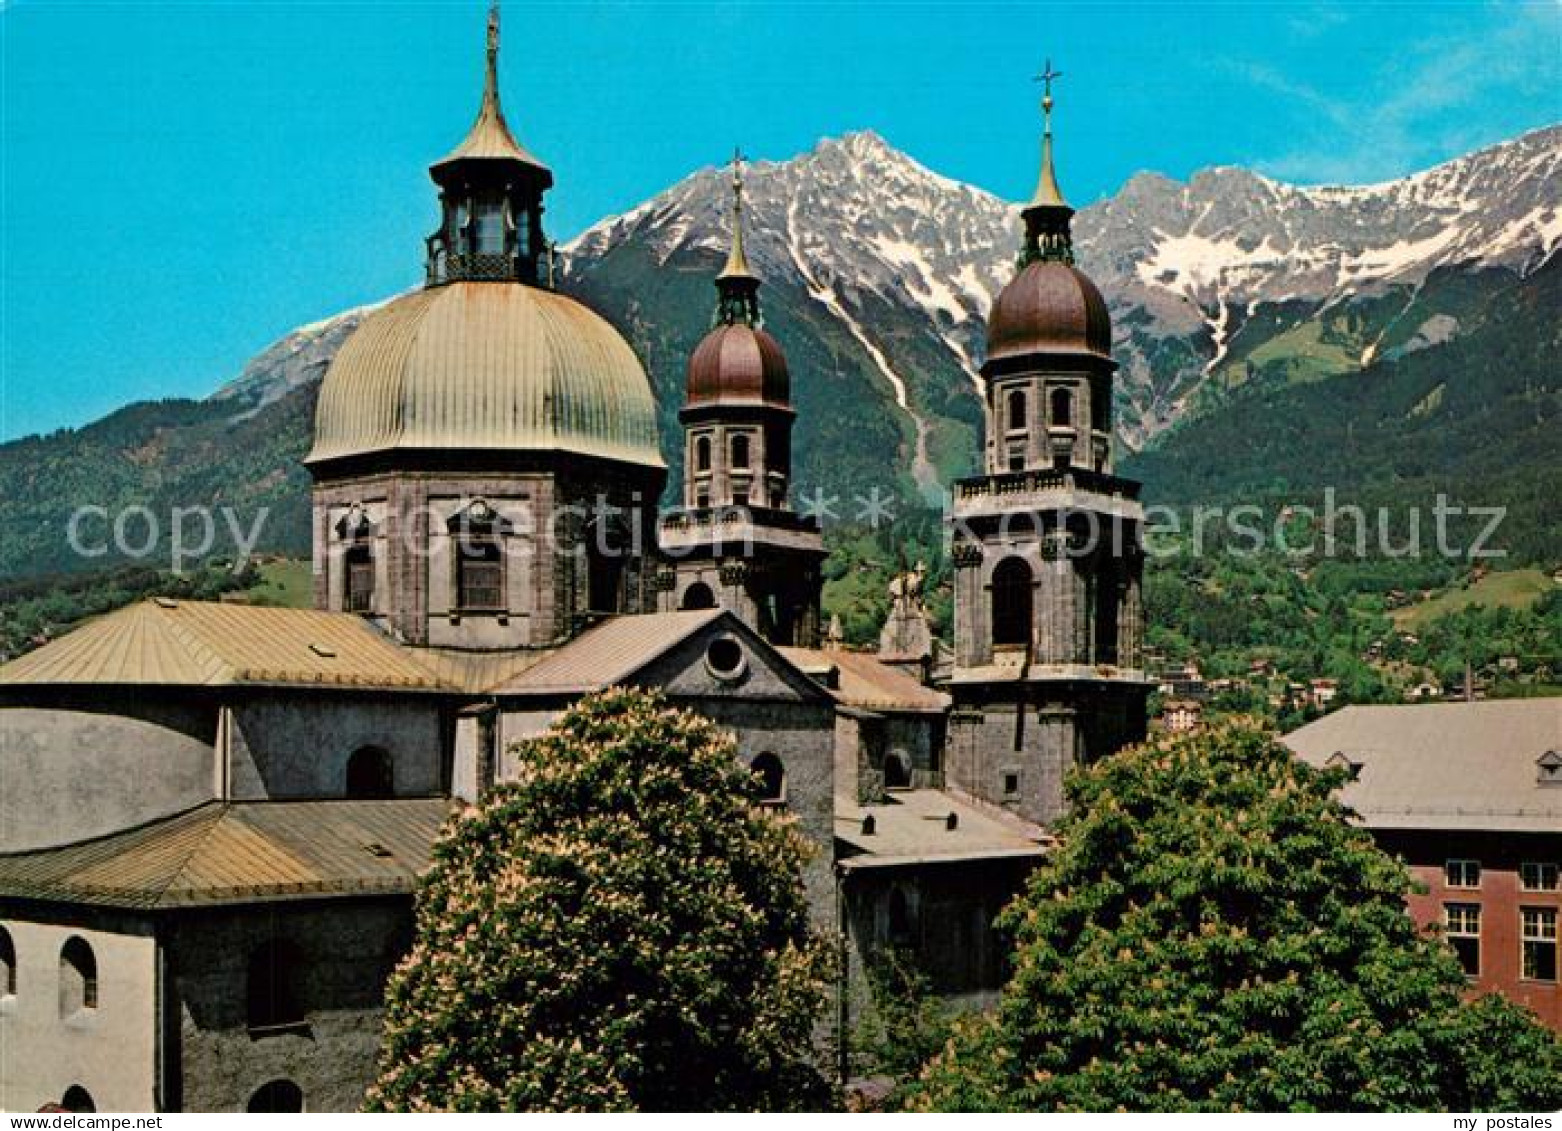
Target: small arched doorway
78	1099
370	774
699	596
897	770
277	1096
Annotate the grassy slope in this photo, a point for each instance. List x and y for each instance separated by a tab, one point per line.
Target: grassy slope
1510	589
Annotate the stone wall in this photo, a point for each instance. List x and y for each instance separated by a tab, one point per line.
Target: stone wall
344	951
296	744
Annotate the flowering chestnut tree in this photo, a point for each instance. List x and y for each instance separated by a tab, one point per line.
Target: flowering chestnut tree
1213	933
621	929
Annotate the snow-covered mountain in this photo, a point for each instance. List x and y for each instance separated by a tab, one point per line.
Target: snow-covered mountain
1186	267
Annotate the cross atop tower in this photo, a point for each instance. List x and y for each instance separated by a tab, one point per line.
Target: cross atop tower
493	30
1046	78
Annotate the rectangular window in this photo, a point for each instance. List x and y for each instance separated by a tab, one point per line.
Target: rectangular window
1462	926
480	580
360	580
1011	783
490	228
1538	938
1462	873
1537	877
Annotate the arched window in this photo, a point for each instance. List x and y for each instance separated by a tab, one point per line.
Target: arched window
699	596
702	454
77	1099
7	964
1062	408
740	451
1106	619
772	778
897	770
370	774
606	557
78	977
277	1096
1016	410
1011	602
273	999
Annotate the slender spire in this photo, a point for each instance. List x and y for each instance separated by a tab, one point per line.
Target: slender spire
490	135
737	285
1047	234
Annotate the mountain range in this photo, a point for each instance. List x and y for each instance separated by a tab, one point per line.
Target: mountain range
1228	293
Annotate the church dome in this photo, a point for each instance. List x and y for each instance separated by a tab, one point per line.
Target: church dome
1050	307
738	364
486	366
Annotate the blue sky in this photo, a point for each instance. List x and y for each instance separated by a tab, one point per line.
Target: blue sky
182	183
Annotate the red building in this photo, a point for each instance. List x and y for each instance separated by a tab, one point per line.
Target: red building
1469	795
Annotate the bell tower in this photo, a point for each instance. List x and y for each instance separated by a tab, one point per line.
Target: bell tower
736	542
1047	544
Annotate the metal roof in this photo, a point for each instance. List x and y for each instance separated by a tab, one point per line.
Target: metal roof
912	827
865	682
209	644
239	853
487	366
1467	766
609	653
476	672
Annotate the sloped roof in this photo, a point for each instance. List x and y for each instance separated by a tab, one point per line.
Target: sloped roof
239	853
1444	765
208	644
476	672
863	681
912	827
609	653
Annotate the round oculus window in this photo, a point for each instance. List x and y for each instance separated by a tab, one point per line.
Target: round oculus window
725	659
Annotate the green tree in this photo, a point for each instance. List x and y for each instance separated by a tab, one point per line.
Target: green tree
1214	934
623	929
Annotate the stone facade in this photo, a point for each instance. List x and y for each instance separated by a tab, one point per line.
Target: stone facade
340	954
574	538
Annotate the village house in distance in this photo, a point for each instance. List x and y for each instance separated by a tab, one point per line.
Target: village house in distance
214	815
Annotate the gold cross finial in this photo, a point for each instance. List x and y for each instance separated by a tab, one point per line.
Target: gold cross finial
1046	78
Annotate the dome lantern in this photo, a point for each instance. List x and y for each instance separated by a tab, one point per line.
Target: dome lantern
1047	216
490	196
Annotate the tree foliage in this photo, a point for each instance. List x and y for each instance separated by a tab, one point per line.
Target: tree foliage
1213	934
621	929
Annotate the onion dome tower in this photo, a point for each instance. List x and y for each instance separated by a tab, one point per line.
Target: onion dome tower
485	459
736	543
1046	544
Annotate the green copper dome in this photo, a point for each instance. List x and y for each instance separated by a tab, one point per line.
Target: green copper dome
486	366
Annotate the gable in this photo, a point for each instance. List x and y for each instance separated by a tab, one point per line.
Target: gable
724	659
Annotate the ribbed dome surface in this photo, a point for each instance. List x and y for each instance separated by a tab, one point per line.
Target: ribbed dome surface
480	366
1049	307
738	364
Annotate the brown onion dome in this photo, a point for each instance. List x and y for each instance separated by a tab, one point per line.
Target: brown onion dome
738	364
1050	307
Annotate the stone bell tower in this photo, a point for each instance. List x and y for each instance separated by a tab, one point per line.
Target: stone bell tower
1047	544
736	542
